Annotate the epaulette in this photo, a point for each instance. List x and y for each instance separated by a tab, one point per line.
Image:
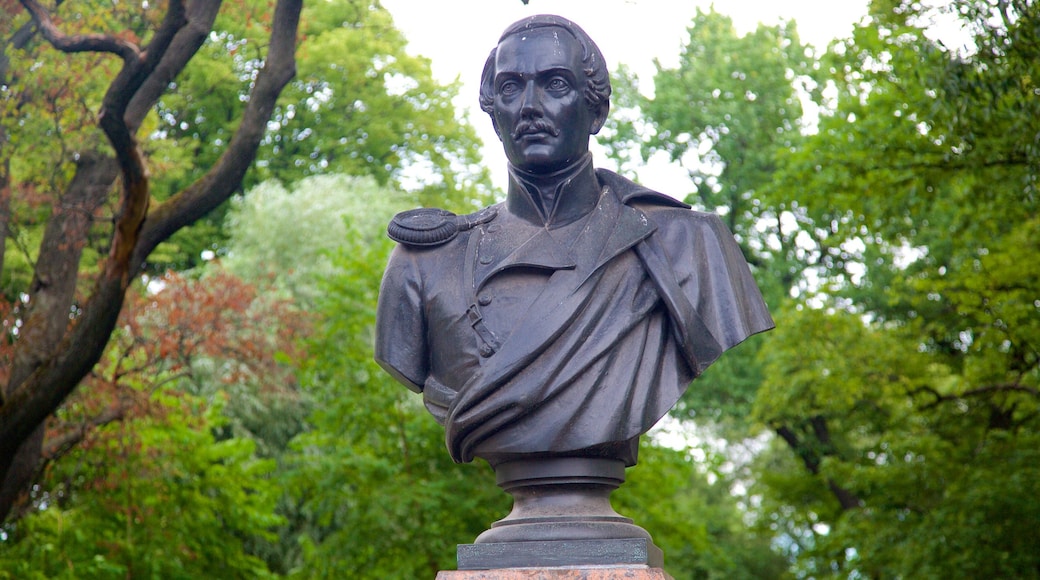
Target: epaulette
428	226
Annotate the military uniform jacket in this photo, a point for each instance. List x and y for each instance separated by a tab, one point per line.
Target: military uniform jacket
533	339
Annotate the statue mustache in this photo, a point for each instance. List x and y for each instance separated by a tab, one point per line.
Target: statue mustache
535	126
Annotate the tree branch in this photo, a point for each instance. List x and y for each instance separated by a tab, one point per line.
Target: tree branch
812	459
80	42
224	178
181	48
975	392
59	445
134	74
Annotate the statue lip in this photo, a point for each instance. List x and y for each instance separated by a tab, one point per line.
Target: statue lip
534	135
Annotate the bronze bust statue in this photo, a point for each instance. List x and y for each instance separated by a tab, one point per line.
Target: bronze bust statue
549	331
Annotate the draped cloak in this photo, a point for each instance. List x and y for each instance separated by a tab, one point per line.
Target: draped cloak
527	340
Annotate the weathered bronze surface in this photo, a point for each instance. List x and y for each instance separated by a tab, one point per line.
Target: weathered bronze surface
547	333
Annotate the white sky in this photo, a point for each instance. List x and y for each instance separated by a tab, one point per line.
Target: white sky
456	35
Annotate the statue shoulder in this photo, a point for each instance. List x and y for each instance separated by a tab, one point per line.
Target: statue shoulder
428	227
633	194
685	224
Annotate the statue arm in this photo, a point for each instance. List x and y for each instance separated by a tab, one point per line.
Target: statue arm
401	339
730	297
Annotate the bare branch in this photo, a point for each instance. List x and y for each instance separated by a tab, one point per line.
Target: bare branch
224	178
128	51
200	17
57	446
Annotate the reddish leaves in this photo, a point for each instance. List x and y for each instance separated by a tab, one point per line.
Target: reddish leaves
207	334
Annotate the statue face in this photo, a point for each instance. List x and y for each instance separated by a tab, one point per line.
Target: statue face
539	109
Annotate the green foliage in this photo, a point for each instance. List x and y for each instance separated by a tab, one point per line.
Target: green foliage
693	517
378	496
727	108
903	383
268	242
359	105
155	496
935	475
919	193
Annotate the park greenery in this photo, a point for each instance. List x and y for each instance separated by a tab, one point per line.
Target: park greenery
884	189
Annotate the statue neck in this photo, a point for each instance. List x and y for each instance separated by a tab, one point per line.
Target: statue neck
554	199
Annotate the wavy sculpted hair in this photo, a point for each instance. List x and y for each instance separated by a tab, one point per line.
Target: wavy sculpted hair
597	79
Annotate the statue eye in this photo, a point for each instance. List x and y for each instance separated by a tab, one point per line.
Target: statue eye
509	87
558	84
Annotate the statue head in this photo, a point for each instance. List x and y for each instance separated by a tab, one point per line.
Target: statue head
547	90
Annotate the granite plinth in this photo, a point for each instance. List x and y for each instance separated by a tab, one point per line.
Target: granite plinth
557	574
573	553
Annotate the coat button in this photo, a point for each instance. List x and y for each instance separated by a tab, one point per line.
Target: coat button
494	228
486	351
485	259
484	299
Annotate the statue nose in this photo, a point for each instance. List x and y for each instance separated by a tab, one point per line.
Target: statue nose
531	100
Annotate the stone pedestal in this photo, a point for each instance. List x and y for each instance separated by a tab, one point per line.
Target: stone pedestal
561	519
562	498
557	574
623	552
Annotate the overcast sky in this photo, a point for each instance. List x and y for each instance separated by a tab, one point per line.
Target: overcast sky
456	35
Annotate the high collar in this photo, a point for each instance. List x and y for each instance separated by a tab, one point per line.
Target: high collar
556	199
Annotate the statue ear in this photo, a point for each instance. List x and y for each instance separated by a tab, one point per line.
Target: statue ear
599	117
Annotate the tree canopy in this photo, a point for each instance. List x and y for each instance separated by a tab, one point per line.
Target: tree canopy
897	228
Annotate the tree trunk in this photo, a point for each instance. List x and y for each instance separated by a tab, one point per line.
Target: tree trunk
52	355
52	292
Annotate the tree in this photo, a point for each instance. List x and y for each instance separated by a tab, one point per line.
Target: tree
359	105
339	210
156	494
686	504
162	461
915	400
902	382
723	114
51	356
398	126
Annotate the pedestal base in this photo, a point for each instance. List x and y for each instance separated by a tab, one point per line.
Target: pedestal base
558	574
561	518
561	499
625	552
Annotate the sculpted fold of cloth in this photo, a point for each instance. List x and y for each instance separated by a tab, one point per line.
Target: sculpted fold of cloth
568	340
